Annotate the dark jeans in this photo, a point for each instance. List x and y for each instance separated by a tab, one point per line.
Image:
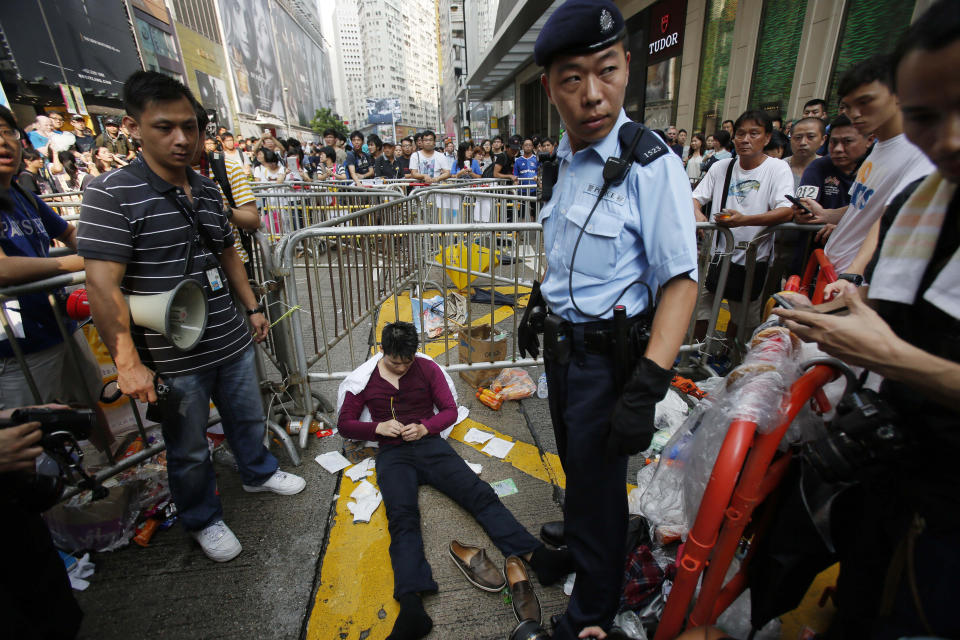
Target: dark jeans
236	393
582	396
401	469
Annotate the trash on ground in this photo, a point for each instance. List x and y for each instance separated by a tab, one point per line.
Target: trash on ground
366	500
478	345
513	384
332	461
568	583
489	398
361	470
476	436
476	468
498	448
504	487
78	570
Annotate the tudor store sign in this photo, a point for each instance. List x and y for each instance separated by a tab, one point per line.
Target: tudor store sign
665	39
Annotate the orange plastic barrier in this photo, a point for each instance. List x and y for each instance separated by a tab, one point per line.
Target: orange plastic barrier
727	508
818	260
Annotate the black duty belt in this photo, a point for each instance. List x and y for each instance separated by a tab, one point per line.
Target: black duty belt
598	337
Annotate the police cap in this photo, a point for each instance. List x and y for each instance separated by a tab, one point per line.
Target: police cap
579	27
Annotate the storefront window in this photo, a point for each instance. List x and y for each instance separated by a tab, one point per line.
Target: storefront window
714	63
777	48
870	27
661	93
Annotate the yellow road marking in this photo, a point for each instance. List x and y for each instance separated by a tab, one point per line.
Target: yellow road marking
356	583
523	456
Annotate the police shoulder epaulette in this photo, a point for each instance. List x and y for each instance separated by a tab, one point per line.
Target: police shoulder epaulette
649	148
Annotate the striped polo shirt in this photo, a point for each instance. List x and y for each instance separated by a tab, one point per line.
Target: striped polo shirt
126	218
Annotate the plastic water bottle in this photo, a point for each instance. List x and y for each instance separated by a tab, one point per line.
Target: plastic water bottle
542	386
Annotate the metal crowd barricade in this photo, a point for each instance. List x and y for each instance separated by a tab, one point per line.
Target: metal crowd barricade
693	352
287	207
50	287
65	204
342	270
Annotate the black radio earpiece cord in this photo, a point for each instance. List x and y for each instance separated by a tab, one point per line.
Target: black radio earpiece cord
615	171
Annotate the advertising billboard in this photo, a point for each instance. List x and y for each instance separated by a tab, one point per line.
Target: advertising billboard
304	68
251	55
93	40
383	110
213	95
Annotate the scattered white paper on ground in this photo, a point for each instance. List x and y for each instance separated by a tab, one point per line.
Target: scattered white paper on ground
476	468
372	443
363	490
476	436
498	447
361	470
332	461
363	508
568	585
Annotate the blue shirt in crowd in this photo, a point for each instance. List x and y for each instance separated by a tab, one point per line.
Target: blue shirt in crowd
26	232
526	169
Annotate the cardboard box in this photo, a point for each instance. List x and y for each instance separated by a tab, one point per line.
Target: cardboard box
476	346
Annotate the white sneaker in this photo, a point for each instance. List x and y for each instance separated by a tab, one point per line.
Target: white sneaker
286	484
218	542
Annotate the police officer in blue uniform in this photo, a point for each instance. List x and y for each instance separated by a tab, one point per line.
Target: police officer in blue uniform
620	285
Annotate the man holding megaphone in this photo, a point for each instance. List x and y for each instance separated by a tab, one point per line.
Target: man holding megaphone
161	271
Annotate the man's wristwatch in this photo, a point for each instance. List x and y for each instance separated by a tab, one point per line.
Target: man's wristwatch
855	278
259	309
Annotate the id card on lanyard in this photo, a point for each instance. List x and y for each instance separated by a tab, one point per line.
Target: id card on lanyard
213	273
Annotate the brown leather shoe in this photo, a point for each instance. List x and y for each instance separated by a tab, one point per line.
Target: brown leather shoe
526	606
477	567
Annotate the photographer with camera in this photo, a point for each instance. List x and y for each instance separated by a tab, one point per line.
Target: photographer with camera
36	600
897	540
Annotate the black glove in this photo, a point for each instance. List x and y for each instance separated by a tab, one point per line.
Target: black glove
632	422
528	328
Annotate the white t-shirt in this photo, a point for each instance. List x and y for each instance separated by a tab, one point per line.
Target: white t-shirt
262	174
751	193
431	167
890	166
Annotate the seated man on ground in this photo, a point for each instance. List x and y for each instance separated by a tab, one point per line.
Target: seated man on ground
410	402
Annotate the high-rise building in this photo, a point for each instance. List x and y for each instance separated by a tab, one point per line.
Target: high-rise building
453	66
389	49
351	85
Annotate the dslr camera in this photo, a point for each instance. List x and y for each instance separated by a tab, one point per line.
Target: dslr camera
549	172
866	434
62	429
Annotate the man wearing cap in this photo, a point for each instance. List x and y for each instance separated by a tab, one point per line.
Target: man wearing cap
610	244
84	141
112	139
386	165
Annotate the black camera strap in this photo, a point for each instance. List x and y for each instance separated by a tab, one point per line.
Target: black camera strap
198	233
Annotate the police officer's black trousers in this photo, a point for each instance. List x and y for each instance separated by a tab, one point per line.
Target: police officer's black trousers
401	469
582	395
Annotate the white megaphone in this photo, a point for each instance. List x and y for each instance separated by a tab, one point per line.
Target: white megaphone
179	315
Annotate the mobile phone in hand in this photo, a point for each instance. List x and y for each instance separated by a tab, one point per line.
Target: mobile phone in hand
798	203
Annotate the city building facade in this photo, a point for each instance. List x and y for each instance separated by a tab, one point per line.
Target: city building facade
694	63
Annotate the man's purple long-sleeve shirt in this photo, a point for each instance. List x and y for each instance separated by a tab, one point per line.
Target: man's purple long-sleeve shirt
421	388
